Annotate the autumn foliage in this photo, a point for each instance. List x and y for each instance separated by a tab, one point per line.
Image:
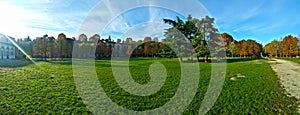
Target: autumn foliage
241	48
287	47
197	31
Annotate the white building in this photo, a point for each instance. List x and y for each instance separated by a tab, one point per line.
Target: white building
7	49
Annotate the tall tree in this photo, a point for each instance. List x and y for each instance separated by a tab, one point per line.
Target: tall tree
51	46
233	48
147	39
41	49
290	46
64	46
274	49
201	33
128	40
27	45
94	38
209	34
243	48
227	39
82	38
155	39
176	35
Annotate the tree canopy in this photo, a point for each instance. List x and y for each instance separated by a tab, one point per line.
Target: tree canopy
201	34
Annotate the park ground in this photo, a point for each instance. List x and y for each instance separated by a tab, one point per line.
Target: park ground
251	87
288	71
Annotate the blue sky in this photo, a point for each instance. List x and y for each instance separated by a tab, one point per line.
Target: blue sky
261	20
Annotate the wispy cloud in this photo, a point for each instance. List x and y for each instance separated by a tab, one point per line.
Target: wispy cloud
118	16
256	19
252	12
140	31
36	18
260	20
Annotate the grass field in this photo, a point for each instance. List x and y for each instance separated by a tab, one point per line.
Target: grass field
250	87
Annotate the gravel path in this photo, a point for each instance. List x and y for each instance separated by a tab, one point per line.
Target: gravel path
289	74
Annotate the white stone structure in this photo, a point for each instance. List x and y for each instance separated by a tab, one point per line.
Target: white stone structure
7	49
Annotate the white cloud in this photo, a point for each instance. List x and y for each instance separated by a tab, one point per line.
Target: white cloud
149	29
14	19
108	15
36	18
251	12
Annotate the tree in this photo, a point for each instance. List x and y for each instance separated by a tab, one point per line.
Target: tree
64	46
147	49
82	38
94	38
155	48
27	45
290	46
273	49
209	33
101	49
201	33
243	48
128	40
118	41
60	45
166	52
228	39
253	48
44	47
51	46
148	46
176	36
155	39
147	39
129	50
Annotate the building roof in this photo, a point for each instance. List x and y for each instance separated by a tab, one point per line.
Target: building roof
4	40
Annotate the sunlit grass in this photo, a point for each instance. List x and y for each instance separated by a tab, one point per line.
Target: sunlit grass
250	87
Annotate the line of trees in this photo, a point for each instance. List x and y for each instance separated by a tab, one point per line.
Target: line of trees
205	39
46	47
287	47
62	47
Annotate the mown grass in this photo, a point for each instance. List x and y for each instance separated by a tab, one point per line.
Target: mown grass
258	92
49	87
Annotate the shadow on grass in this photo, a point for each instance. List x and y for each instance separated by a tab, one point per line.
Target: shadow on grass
69	61
233	60
14	63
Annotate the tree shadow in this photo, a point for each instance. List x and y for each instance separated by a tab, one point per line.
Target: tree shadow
69	62
233	60
14	63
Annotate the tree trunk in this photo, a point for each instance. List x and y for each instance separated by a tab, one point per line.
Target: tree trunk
206	58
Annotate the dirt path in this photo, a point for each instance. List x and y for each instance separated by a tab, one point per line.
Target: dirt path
289	74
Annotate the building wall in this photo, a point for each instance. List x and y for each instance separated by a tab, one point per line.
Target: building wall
7	51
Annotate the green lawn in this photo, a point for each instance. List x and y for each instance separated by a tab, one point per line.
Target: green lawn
49	87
